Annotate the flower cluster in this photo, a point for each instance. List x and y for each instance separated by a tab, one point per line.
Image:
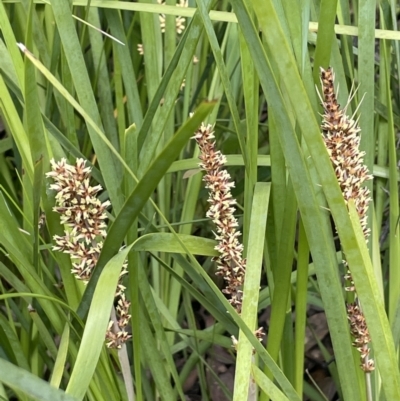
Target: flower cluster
342	140
359	330
231	265
341	135
84	215
179	21
140	49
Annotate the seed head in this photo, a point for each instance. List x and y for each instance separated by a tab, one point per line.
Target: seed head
230	263
341	135
84	215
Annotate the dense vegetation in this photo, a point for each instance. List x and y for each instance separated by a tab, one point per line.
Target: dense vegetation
103	206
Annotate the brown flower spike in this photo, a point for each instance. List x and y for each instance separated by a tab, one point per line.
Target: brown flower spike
341	135
84	217
231	265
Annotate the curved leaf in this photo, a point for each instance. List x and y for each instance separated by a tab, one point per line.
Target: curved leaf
30	385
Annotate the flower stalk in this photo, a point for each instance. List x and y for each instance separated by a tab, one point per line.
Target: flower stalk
83	216
341	135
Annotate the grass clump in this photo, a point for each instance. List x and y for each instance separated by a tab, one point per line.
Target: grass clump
100	134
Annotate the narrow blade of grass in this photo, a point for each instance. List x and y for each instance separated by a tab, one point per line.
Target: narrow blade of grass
95	328
251	288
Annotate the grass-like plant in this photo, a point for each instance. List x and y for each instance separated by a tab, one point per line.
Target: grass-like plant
76	90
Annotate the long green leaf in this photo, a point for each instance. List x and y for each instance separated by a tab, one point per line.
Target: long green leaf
30	385
251	288
95	328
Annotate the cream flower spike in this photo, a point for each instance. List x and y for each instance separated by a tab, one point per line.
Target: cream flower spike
84	215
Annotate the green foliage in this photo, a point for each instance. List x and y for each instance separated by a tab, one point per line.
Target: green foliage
76	86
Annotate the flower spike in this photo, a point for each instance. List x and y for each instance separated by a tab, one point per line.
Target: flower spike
84	217
341	135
